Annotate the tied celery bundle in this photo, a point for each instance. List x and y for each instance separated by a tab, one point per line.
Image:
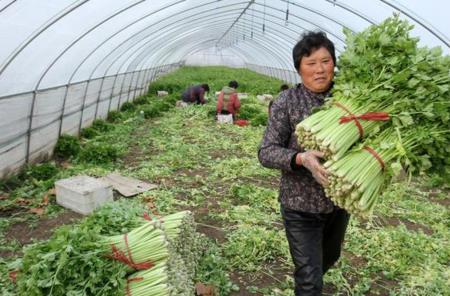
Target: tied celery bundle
325	131
356	180
151	282
184	244
382	69
372	73
170	242
140	249
78	258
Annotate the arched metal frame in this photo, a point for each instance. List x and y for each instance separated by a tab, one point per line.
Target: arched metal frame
120	67
428	27
53	20
103	21
139	58
170	49
7	5
268	21
435	32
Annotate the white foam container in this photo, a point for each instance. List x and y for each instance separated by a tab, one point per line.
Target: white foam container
82	194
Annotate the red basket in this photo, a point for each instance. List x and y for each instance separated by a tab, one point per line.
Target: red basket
241	122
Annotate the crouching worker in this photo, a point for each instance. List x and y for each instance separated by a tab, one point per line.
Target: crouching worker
195	94
228	102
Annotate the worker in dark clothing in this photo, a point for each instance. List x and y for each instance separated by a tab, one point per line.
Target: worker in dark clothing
315	227
195	94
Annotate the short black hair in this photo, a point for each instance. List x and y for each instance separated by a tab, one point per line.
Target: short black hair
233	84
205	87
310	41
284	87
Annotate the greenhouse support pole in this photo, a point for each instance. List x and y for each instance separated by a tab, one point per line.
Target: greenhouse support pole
120	96
136	84
82	107
144	81
98	97
30	124
129	86
133	90
156	74
144	86
122	85
151	77
112	94
151	73
138	87
139	83
63	108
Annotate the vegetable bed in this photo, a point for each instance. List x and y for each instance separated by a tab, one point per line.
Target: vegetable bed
213	172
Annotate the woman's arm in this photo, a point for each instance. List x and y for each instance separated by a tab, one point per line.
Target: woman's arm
273	151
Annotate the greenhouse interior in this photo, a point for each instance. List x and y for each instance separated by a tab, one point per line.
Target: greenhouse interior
226	147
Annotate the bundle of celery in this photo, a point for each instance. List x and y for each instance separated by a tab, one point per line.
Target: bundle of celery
140	249
383	75
150	282
178	253
389	95
180	230
325	132
356	180
78	258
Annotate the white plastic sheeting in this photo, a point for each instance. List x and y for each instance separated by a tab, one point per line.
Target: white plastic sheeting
64	63
213	56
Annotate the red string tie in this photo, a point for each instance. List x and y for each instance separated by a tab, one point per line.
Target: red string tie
375	154
132	280
358	124
155	213
13	276
128	260
374	116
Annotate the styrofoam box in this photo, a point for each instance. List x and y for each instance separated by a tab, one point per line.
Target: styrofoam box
82	194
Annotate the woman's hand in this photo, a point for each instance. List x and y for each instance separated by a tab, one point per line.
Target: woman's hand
310	160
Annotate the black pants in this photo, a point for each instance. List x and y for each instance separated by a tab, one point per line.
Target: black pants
315	244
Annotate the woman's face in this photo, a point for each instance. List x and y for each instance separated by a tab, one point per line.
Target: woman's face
317	70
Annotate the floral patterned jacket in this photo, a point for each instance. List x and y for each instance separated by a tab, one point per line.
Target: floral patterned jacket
298	189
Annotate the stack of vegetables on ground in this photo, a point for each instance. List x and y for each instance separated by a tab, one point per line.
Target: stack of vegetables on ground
390	105
97	258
